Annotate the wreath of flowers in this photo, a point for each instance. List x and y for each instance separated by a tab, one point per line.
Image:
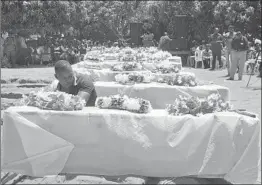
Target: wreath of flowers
49	100
180	79
134	78
141	56
196	106
110	56
127	66
167	68
128	58
112	50
159	56
137	105
93	58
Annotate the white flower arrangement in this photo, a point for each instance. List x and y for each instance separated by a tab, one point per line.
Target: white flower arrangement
49	100
151	54
120	102
196	106
128	51
128	58
94	58
112	50
159	56
127	66
180	79
151	50
165	68
110	56
134	78
141	56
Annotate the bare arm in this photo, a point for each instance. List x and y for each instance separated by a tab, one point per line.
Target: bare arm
84	95
86	87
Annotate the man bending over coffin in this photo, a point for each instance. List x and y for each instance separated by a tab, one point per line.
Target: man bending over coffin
74	83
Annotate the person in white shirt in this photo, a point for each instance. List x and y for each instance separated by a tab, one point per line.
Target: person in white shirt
199	55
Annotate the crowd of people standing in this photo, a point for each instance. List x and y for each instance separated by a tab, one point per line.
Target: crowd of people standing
233	46
18	50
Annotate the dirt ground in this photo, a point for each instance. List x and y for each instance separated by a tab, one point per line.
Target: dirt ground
242	97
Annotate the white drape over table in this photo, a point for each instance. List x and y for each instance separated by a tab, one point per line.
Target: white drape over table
112	142
159	94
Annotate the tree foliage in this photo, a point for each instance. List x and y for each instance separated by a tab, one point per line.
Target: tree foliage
103	17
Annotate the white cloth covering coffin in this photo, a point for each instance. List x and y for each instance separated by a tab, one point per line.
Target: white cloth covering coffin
112	142
159	94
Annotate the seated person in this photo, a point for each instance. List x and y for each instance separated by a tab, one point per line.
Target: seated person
73	83
199	55
207	55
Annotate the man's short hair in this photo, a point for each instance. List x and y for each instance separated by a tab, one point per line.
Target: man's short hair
230	26
62	65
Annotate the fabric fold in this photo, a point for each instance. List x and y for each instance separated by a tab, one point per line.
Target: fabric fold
246	170
116	142
31	150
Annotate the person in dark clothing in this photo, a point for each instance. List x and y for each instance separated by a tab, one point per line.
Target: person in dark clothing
74	83
216	48
164	42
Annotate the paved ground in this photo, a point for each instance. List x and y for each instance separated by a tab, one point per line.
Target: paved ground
242	97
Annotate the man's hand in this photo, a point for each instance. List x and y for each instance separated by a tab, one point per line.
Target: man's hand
84	95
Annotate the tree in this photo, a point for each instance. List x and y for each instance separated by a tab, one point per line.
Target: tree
245	15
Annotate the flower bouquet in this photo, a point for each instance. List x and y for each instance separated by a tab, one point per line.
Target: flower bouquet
127	51
195	106
136	105
49	100
110	56
93	58
180	79
112	50
141	56
151	50
127	66
159	56
134	78
167	68
128	58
